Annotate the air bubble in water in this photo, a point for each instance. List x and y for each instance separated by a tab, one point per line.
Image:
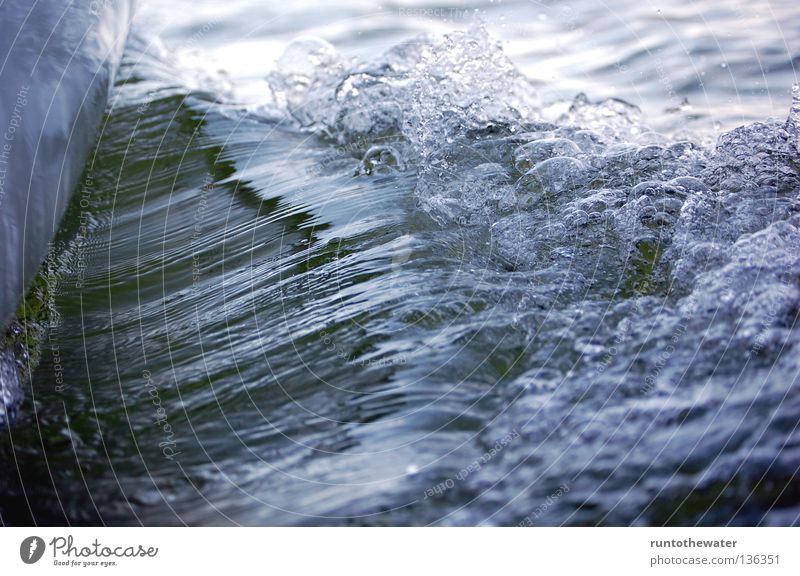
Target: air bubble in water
304	55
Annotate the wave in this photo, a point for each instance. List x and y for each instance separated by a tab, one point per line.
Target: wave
457	112
405	291
663	273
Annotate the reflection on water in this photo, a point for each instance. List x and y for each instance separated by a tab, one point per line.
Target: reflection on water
459	314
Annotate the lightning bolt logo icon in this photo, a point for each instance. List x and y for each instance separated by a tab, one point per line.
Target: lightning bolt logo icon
34	546
32	549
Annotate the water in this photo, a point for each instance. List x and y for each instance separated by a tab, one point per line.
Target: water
376	281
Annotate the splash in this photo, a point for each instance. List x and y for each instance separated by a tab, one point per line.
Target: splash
682	258
595	190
